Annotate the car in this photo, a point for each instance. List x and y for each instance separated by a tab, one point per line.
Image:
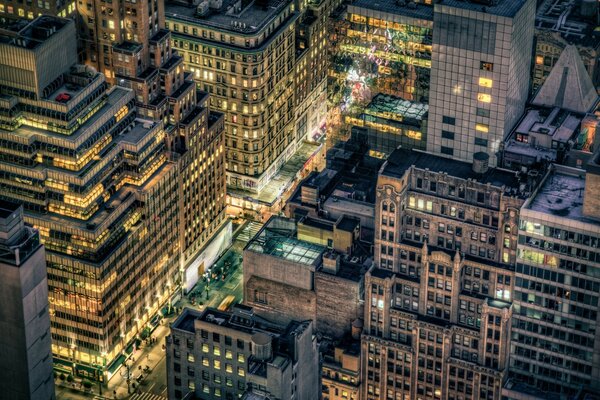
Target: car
63	97
226	303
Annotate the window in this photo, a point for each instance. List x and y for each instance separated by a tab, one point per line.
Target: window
481	112
482	128
447	150
486	66
485	82
484	98
481	142
447	135
448	120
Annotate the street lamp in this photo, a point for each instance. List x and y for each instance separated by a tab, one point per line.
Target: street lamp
126	374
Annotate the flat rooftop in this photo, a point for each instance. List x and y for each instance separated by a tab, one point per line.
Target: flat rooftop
401	160
503	8
30	34
421	11
565	18
278	239
393	107
252	18
561	194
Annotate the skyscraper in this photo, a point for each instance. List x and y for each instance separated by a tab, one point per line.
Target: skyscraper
26	361
122	202
455	74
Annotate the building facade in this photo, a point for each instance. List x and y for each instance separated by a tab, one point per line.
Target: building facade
264	65
554	346
340	375
464	63
480	75
214	355
438	300
310	270
121	201
25	345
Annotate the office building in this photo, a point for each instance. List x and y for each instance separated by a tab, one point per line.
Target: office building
307	270
26	361
554	346
264	65
465	63
228	355
559	24
340	375
438	299
115	196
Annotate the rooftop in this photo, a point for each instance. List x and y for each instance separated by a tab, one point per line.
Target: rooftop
30	34
401	160
569	85
396	108
278	239
417	11
348	224
245	17
503	8
561	194
566	19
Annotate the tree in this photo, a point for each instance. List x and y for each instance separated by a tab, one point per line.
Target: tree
70	378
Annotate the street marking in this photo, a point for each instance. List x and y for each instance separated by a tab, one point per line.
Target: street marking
147	396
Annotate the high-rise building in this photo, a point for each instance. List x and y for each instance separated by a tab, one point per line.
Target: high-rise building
460	66
26	361
554	346
226	355
122	202
438	300
264	65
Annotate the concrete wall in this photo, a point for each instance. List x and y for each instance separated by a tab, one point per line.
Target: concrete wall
25	355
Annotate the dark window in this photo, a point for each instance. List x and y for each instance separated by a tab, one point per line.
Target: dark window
481	112
447	150
448	135
448	120
481	142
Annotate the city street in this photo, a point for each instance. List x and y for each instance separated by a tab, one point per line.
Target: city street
147	369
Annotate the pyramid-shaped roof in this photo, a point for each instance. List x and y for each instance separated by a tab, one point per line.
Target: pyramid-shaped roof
569	85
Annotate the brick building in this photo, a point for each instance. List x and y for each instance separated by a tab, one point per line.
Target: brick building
297	271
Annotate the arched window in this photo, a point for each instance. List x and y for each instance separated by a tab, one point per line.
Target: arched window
392	207
384	206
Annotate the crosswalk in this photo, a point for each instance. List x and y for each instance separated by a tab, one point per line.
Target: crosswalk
249	231
146	396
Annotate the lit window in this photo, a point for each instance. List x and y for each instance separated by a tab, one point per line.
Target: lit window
484	97
241	371
111	24
539	60
485	82
482	128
